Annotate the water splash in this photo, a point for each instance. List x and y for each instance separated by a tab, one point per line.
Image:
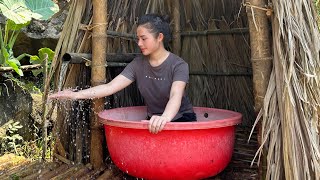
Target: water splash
63	72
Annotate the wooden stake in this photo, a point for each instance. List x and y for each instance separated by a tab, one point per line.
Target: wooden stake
98	76
44	107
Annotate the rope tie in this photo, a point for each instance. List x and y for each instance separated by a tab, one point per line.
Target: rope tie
92	26
95	25
269	11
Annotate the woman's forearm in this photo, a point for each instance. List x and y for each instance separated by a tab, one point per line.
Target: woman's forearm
103	90
93	92
174	103
172	107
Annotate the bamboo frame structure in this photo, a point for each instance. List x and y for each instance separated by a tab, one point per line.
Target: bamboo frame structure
120	39
177	33
284	110
215	32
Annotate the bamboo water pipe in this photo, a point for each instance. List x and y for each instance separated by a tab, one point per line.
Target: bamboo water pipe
114	59
98	76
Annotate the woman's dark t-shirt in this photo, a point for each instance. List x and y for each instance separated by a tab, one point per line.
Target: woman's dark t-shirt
154	83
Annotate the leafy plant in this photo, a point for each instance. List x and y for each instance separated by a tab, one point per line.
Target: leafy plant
39	59
10	142
19	13
33	149
26	86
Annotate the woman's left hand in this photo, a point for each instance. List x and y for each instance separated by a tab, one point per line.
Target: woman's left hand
156	123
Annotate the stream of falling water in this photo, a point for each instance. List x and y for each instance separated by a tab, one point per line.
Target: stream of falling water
63	72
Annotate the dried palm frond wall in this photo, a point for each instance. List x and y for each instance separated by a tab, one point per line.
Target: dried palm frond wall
220	69
290	114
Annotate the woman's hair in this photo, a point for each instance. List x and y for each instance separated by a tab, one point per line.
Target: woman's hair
157	24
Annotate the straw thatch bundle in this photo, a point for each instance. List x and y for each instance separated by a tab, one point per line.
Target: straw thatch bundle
290	114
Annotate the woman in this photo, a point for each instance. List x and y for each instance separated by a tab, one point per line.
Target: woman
160	75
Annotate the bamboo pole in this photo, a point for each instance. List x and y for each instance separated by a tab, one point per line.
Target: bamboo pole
176	27
121	35
98	76
261	59
215	32
260	50
114	34
45	107
24	68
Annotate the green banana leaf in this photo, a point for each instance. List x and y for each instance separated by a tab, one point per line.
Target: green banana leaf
42	9
22	11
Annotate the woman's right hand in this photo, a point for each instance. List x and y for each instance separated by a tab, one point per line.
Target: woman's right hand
65	94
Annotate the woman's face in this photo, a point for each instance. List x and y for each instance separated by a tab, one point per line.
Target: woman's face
147	41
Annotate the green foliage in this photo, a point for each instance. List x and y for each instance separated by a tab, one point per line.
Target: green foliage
14	177
19	14
43	54
26	86
42	9
15	10
12	140
22	11
33	149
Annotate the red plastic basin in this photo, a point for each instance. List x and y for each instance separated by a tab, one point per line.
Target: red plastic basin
183	150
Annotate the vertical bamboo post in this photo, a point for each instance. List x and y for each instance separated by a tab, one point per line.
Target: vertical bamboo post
98	76
176	27
44	107
260	57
